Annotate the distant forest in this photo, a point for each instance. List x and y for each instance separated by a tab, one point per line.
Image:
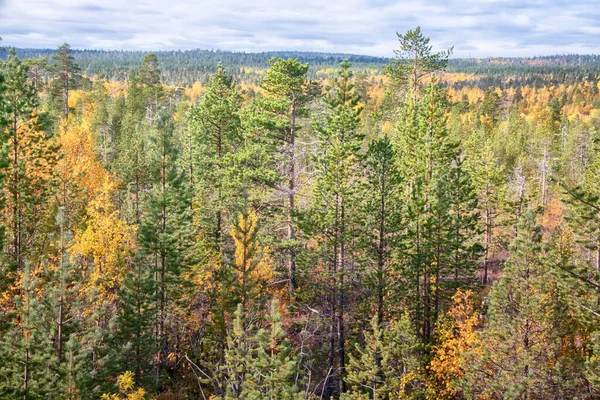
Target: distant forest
184	67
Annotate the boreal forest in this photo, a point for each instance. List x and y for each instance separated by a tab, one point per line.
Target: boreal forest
293	225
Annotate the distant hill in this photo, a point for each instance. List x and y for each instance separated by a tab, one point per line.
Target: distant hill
185	66
181	67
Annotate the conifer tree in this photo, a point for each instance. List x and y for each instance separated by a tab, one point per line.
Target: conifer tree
67	74
441	212
3	153
383	213
414	60
214	125
488	178
523	351
387	366
28	363
149	77
287	95
260	363
335	208
165	234
32	156
132	162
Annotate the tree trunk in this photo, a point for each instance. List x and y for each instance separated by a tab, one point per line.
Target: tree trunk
291	234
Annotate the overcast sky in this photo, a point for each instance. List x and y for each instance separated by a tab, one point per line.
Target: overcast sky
478	28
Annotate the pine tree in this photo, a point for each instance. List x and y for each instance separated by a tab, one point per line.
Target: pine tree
67	74
215	122
259	361
149	77
29	366
32	156
383	214
523	350
4	108
441	247
132	162
415	60
287	95
165	234
215	139
387	366
335	209
488	178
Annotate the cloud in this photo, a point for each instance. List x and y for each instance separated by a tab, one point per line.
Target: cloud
475	27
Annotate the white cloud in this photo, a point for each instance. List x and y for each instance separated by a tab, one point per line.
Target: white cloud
474	27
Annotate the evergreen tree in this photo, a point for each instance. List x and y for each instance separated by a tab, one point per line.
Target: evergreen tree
67	74
165	234
441	211
259	361
287	95
525	350
29	367
215	139
4	108
383	213
32	156
488	179
414	60
387	366
335	209
132	162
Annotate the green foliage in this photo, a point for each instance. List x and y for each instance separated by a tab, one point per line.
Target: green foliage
387	366
67	75
528	349
415	59
259	362
441	210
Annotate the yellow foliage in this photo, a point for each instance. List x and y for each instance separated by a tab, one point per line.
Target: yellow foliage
74	96
106	241
79	163
127	389
101	245
252	262
247	249
457	336
115	89
194	92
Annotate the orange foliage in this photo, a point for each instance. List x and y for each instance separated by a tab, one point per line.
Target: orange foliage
457	336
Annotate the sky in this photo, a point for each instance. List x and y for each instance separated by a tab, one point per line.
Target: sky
480	28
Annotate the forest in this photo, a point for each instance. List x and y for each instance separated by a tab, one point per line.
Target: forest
299	226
